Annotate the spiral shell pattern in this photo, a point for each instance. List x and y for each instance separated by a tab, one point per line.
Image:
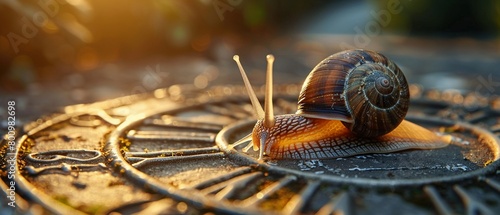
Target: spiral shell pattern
363	89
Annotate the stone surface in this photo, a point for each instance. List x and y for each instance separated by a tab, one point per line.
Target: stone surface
169	159
161	152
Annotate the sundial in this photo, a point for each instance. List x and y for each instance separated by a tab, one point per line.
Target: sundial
171	152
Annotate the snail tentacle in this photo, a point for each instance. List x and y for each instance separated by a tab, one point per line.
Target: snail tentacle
243	140
268	104
251	94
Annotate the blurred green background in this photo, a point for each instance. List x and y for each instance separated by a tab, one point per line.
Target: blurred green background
79	35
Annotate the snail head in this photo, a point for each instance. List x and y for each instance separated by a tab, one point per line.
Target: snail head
262	130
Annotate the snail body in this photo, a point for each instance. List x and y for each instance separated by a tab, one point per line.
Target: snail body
353	102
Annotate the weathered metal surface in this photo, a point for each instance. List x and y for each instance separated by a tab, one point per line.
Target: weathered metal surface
162	154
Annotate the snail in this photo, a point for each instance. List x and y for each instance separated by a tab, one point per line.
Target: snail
353	102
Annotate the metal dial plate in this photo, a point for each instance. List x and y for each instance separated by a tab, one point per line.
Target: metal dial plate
170	152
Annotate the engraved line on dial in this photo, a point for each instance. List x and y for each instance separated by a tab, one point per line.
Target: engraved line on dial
171	135
142	162
300	200
220	179
495	129
73	116
238	109
437	200
477	117
171	122
139	156
89	156
90	121
341	204
493	183
472	205
234	112
228	188
64	168
260	196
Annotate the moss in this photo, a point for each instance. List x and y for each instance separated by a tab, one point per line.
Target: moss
124	145
26	146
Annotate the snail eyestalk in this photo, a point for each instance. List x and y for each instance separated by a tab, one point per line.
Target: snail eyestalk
255	104
253	98
268	105
243	140
247	147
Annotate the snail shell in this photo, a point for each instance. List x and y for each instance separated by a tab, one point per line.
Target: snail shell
353	102
363	89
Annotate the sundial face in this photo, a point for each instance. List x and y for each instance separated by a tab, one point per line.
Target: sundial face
171	153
